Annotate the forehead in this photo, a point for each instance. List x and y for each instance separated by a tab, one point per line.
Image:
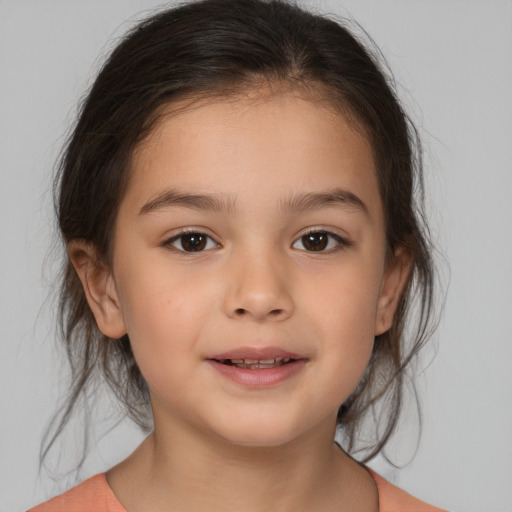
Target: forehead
275	143
253	104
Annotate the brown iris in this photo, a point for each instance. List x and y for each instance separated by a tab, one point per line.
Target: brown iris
315	241
193	242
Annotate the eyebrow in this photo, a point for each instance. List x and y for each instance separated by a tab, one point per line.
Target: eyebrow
319	200
220	202
170	198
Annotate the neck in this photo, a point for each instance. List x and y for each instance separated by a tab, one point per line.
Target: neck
191	471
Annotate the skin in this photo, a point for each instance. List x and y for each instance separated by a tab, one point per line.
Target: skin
217	444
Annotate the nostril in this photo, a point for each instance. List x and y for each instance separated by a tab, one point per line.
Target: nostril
273	312
277	314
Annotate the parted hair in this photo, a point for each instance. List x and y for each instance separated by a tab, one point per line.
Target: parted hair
217	48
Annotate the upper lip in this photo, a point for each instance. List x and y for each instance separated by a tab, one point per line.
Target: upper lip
258	353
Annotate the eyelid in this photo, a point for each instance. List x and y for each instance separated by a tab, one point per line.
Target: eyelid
342	242
189	230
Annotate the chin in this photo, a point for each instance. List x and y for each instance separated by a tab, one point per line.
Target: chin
259	441
259	434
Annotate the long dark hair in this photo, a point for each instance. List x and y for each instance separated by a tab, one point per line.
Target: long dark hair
212	48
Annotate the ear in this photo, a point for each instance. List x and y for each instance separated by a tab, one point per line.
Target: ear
99	288
395	278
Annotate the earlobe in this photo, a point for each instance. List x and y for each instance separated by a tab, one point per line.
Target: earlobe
99	288
393	284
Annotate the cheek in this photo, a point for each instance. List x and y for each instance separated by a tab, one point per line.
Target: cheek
160	337
349	350
165	314
154	297
346	312
347	301
345	363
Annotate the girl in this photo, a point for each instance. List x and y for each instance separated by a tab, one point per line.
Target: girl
237	205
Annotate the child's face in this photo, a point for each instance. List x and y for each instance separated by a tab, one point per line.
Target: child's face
283	256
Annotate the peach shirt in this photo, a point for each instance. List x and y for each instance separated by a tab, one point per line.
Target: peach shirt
94	495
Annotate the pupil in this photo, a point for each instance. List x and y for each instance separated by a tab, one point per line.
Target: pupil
315	241
193	242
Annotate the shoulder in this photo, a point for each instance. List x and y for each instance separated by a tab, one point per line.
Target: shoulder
93	495
393	499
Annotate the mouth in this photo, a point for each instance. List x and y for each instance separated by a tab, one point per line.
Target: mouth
258	367
256	364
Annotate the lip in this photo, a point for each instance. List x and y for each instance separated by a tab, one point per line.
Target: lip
256	353
259	377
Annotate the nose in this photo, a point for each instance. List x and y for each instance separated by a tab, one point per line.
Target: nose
259	288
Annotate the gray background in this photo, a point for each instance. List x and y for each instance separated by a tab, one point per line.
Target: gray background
453	61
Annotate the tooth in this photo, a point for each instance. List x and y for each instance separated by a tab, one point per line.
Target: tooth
267	361
286	360
250	361
237	361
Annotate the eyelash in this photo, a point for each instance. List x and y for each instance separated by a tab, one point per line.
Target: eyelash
180	237
205	240
339	242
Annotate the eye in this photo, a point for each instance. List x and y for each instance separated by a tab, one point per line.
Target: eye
317	241
192	241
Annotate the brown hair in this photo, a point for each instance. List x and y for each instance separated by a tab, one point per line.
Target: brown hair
202	49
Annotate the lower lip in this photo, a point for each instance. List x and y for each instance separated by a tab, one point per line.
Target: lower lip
259	377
